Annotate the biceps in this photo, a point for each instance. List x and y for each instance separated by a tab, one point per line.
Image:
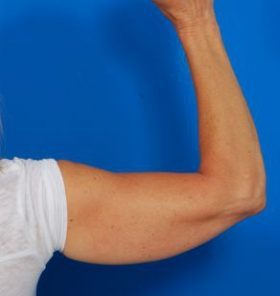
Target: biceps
141	217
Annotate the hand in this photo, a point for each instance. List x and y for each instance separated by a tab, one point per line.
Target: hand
186	13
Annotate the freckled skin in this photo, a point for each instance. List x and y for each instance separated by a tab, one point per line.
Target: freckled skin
124	218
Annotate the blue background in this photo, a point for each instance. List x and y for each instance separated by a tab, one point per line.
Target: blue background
106	83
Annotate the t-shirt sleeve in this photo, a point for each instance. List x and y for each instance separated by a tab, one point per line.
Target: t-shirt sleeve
46	206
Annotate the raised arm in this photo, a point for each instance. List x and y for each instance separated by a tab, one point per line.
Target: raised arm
229	143
123	218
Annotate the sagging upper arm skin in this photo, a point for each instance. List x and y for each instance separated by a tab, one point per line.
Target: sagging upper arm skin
124	218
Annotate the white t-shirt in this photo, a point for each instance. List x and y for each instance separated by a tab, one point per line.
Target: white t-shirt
33	221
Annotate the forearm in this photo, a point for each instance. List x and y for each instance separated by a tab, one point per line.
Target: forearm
228	139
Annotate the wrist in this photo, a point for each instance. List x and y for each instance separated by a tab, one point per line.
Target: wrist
205	32
202	38
197	26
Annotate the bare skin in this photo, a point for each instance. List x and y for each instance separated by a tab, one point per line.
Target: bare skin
124	218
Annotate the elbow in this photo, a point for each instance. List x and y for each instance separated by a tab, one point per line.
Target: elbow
245	199
251	199
255	207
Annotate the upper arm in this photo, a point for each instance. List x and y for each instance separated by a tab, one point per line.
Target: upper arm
121	218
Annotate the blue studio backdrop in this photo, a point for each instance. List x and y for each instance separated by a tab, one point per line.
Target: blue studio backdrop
106	82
